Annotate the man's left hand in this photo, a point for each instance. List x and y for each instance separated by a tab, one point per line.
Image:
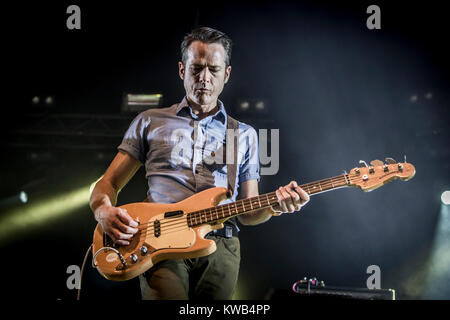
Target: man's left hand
290	198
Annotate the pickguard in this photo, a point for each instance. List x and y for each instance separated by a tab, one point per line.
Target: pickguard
175	233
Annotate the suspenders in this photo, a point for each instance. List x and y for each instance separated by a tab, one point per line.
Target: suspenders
232	124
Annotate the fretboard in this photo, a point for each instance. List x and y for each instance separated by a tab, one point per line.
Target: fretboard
225	211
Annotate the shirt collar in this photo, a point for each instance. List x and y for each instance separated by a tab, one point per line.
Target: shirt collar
184	108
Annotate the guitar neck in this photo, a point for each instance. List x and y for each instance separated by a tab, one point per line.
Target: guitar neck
225	211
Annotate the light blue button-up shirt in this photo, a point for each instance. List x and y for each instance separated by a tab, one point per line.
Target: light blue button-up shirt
182	155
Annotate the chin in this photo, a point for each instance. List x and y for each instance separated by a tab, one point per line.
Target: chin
202	99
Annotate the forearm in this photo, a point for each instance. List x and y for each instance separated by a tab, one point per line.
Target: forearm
103	193
256	217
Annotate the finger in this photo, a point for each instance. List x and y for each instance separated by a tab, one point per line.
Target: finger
125	217
276	207
123	242
124	228
281	201
294	195
119	235
303	195
297	200
288	200
294	199
118	241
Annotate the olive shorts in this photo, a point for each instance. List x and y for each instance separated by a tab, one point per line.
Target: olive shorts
212	277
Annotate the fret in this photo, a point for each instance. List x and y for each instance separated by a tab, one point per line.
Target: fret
257	202
267	199
274	198
208	215
231	207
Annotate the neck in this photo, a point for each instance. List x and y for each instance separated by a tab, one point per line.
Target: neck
225	211
203	110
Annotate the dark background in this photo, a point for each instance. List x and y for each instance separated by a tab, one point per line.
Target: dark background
337	91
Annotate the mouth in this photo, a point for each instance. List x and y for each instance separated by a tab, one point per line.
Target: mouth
203	91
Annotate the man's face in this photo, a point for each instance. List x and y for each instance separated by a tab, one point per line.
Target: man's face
204	74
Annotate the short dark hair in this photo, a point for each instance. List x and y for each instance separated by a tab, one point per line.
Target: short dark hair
207	35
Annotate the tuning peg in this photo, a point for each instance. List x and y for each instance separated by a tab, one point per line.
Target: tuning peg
376	162
390	161
345	172
363	163
405	158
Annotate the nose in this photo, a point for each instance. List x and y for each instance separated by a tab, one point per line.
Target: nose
205	75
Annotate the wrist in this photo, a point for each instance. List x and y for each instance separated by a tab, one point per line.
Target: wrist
100	211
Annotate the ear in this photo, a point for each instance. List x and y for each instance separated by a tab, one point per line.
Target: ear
181	70
227	73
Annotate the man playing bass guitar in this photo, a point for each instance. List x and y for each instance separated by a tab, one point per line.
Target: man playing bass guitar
198	124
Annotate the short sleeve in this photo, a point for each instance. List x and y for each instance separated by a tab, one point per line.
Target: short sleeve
249	167
135	141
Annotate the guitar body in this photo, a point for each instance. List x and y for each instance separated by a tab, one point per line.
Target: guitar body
161	236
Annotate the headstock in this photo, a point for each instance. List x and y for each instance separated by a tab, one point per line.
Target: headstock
370	177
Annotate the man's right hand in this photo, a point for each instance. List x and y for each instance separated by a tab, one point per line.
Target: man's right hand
116	223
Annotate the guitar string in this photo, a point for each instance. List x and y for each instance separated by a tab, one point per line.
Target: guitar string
197	215
182	222
167	230
242	204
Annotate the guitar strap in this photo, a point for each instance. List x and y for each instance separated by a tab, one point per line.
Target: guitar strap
232	133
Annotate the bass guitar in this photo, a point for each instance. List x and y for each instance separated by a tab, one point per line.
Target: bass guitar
177	230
